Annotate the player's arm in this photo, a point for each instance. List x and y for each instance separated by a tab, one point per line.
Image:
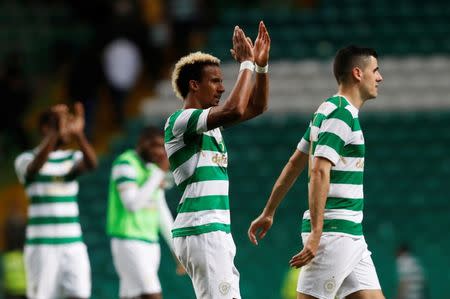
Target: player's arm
76	128
132	196
166	224
287	178
319	185
259	98
234	107
49	143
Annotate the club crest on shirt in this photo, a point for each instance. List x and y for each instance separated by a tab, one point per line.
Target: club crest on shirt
224	288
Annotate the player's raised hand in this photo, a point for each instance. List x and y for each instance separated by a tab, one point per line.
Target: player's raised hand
242	46
261	48
76	120
259	227
308	252
61	112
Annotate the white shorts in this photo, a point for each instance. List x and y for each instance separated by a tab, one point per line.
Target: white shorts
341	267
209	260
55	271
137	264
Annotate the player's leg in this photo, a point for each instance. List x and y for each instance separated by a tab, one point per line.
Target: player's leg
151	296
304	296
42	268
366	294
136	263
75	271
363	282
335	260
209	261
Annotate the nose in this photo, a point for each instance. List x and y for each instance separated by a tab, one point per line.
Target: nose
221	88
380	78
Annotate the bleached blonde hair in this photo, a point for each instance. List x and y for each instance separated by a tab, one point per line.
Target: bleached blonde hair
184	63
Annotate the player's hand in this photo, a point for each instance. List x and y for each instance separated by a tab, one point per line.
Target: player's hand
242	46
308	252
76	120
259	227
163	162
261	48
62	114
180	269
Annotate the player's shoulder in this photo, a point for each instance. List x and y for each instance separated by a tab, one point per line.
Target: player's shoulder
124	158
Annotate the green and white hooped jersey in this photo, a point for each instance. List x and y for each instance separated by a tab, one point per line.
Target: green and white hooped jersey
198	160
53	206
336	135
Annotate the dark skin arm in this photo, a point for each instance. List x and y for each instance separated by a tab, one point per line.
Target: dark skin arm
259	98
76	128
234	107
50	141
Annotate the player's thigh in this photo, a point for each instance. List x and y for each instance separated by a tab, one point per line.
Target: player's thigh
362	280
76	271
137	264
209	261
366	294
41	268
335	260
304	296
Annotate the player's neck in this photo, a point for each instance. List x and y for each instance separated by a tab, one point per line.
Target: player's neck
352	95
192	102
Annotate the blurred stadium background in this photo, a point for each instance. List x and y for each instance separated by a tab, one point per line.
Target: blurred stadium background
53	52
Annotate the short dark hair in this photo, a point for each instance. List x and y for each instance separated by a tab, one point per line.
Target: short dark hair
149	132
48	118
349	57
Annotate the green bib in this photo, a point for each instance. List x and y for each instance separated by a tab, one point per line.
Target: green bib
142	224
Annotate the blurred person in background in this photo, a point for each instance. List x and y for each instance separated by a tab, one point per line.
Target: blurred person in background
123	50
12	260
198	158
56	258
335	259
410	274
137	213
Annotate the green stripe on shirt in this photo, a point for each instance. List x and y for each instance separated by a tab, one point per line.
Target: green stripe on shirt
202	203
52	220
346	177
335	225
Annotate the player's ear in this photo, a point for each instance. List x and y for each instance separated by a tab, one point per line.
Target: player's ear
357	73
193	85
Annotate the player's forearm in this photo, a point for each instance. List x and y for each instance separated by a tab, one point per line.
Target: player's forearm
47	145
319	187
135	198
239	97
259	99
282	186
166	222
89	155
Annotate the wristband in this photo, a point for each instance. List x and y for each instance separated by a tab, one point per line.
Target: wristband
247	64
261	69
